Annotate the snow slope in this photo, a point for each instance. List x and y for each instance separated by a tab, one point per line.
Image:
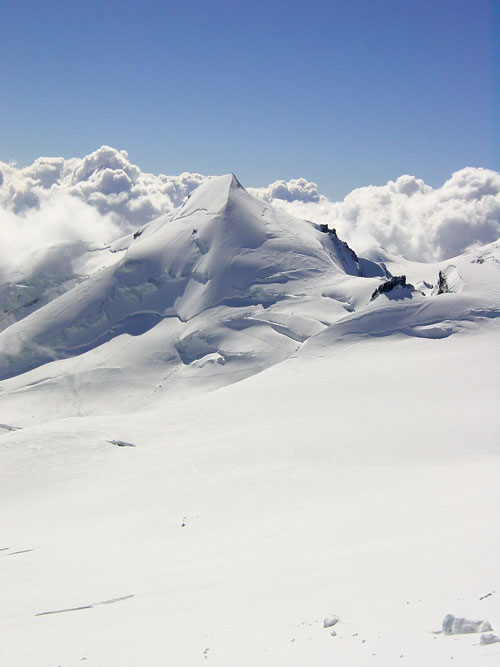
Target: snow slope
227	283
158	511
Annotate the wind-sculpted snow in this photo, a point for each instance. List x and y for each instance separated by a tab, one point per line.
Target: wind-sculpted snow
47	273
398	308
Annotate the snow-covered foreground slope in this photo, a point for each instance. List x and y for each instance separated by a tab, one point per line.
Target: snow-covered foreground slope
361	482
185	518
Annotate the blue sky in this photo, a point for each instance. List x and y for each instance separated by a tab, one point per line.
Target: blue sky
344	93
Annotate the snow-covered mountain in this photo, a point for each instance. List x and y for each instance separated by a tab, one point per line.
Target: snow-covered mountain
225	287
226	426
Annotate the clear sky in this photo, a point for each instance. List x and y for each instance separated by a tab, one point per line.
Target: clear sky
343	92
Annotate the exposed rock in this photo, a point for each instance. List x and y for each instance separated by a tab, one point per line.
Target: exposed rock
449	280
483	597
442	284
342	248
392	283
343	245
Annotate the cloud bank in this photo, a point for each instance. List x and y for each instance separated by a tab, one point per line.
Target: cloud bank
105	179
96	198
103	195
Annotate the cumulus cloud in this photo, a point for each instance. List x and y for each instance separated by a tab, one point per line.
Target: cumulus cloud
45	171
408	217
96	198
106	180
103	195
296	189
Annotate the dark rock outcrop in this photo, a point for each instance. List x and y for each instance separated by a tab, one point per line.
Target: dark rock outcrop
442	284
391	284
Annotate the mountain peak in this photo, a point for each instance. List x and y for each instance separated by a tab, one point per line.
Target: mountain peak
212	195
235	182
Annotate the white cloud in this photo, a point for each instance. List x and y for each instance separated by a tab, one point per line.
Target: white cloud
45	171
105	180
58	219
296	189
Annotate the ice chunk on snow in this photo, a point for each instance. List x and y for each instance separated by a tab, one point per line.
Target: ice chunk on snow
489	639
330	621
454	625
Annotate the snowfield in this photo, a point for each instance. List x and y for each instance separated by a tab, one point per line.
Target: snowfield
228	440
